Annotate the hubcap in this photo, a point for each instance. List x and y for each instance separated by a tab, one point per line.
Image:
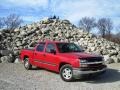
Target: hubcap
67	73
26	63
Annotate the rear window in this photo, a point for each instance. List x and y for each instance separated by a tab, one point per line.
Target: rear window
50	47
40	47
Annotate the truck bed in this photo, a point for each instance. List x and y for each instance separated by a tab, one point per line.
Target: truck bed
30	49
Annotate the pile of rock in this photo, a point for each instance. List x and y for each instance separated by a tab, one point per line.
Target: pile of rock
60	30
7	56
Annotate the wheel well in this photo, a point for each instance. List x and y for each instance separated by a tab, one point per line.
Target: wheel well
61	64
0	55
25	57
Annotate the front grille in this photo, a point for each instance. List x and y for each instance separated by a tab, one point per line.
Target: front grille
94	59
93	63
93	68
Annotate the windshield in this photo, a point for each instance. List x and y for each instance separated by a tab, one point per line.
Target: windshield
68	47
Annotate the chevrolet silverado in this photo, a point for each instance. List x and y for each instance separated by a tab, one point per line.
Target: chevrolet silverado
65	58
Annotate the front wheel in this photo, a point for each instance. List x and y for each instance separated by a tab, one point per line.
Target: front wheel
27	64
66	73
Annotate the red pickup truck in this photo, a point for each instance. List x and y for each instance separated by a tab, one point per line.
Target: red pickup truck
65	58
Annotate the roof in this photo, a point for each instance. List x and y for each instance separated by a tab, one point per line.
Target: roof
51	41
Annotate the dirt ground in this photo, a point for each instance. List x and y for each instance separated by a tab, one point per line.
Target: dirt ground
15	77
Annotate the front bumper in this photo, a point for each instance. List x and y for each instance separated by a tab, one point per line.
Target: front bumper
78	73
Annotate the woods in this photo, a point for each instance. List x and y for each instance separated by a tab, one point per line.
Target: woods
103	26
10	22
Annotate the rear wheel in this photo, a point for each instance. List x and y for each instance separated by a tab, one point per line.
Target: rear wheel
66	73
27	64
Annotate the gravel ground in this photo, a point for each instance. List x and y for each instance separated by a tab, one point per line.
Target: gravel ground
15	77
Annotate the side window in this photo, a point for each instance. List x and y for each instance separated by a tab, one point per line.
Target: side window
50	47
40	47
72	47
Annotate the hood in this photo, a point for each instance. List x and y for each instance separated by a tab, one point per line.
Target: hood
78	55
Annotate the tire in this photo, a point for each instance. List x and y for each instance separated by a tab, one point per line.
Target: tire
66	73
27	64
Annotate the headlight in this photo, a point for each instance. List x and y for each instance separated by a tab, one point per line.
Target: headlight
83	61
103	60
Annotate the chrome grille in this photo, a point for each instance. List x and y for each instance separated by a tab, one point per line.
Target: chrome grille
93	59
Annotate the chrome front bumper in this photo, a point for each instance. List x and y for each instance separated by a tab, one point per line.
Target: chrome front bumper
77	73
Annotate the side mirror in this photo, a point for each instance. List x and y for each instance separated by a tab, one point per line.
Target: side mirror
53	51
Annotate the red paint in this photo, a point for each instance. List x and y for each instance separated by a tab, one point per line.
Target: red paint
52	61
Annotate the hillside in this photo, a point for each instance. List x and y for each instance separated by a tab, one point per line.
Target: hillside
60	30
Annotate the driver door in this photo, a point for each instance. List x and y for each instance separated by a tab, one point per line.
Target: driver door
51	57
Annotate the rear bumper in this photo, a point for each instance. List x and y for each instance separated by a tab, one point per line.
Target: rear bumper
78	73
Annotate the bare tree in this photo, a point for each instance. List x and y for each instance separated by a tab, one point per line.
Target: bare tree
87	23
118	29
115	37
118	34
105	26
1	23
12	21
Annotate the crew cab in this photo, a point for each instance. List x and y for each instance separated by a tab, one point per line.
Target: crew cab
65	58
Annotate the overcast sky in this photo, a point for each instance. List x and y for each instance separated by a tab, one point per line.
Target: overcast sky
73	10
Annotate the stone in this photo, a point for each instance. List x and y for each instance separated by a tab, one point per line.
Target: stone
98	52
5	52
6	59
30	32
110	60
116	59
17	60
113	52
60	30
93	48
66	21
106	57
104	52
1	47
16	30
117	49
18	43
16	52
0	60
47	21
23	32
45	30
15	48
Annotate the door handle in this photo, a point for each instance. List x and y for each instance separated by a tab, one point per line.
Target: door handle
44	55
35	53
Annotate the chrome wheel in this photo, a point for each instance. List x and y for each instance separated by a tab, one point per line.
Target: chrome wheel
67	73
27	65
